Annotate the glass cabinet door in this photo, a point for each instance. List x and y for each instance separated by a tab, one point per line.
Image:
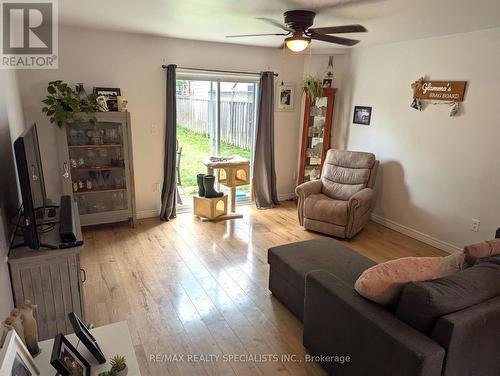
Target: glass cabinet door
97	163
316	131
315	136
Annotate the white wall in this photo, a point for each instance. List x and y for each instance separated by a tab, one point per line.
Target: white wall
133	63
437	172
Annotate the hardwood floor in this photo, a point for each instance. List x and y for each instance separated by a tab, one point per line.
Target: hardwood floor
192	287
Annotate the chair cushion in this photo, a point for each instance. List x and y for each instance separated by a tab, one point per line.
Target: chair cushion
323	208
345	173
422	303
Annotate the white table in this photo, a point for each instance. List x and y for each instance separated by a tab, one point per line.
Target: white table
113	339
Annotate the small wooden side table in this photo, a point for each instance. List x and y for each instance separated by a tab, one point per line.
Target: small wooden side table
231	173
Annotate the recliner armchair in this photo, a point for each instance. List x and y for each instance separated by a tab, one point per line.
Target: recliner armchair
339	203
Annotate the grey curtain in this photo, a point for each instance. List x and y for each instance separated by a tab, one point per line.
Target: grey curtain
264	175
168	192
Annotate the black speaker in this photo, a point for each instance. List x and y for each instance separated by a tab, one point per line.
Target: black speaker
67	220
497	235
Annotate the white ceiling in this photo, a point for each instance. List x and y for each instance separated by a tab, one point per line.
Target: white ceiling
386	20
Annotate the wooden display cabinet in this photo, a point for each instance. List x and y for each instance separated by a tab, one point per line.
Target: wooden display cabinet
316	134
95	162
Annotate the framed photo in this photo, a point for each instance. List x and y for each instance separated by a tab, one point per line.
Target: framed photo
285	97
111	94
67	360
328	83
362	115
86	337
15	358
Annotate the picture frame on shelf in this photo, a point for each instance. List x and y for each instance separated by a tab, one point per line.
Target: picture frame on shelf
84	335
362	115
66	359
15	358
327	83
111	94
285	97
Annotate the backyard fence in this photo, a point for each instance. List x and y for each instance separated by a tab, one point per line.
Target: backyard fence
237	124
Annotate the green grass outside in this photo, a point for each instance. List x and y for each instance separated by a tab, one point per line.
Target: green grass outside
195	149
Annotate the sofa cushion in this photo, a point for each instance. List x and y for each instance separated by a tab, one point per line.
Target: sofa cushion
293	261
383	283
422	303
323	208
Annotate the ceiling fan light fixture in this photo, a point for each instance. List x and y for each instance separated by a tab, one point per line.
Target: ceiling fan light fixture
297	43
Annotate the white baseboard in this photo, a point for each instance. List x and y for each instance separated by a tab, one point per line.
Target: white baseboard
286	196
149	213
412	233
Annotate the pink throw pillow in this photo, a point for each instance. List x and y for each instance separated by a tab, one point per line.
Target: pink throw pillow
383	283
480	250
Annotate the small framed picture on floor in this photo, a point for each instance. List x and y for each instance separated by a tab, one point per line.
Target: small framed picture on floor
362	115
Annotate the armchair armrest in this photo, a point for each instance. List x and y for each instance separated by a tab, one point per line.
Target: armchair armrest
361	201
339	322
358	211
303	190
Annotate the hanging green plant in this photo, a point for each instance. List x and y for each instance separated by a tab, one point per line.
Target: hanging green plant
313	87
63	105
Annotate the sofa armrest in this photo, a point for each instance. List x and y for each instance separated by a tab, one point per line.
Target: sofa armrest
471	340
339	322
303	190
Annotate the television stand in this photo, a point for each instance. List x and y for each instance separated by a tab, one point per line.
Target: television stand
49	246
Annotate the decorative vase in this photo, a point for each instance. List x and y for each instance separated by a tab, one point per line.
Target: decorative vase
328	76
30	328
123	372
82	94
6	328
14	320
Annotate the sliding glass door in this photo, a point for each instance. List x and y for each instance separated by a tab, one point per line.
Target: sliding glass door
214	118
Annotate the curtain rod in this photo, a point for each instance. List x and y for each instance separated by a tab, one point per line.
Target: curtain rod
219	71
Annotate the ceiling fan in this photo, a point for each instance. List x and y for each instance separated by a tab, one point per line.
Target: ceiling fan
299	31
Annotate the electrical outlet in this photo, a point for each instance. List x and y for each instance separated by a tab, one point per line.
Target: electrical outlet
153	129
475	225
156	187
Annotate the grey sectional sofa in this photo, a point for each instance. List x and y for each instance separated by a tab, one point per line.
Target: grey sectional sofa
448	326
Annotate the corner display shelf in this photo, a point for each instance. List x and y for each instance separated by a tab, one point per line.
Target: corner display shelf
318	122
96	167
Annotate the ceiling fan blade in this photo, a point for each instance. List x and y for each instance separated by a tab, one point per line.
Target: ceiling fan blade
275	23
338	29
334	39
253	35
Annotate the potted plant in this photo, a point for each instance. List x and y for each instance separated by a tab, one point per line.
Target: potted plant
63	104
313	87
118	366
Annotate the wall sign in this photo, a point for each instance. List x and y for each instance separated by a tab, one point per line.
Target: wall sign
440	90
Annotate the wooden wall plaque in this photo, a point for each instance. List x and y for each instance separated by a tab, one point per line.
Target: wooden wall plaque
441	90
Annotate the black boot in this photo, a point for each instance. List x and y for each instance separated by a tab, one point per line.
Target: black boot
210	192
201	186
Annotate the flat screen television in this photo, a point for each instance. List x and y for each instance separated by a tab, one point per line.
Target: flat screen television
30	173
